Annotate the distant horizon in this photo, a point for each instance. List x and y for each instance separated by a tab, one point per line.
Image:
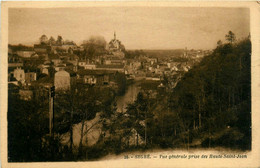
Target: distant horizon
31	44
163	49
137	28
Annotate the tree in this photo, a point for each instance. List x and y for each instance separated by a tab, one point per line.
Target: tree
28	127
140	115
52	41
59	40
44	39
219	43
97	40
86	110
230	37
77	105
211	96
94	46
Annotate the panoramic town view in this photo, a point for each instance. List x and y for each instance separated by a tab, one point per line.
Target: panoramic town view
91	82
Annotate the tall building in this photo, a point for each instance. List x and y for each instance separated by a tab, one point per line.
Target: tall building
115	44
116	47
63	80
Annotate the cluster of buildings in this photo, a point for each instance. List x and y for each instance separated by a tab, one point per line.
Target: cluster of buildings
60	64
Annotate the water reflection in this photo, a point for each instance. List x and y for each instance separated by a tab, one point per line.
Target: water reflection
128	97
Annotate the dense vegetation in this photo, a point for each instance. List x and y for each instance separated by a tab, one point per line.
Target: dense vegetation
213	100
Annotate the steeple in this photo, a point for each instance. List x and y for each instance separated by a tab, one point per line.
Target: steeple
114	35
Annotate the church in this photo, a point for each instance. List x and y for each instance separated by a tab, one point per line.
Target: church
115	45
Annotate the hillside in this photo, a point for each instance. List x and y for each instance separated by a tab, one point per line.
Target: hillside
212	102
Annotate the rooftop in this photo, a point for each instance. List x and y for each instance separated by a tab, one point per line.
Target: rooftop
93	72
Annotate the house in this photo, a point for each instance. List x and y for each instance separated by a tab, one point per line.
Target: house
63	80
13	65
19	74
116	68
90	66
185	68
56	61
14	61
44	68
174	68
69	46
112	60
30	76
25	53
152	77
64	46
135	65
54	58
56	47
42	49
45	71
152	60
60	67
90	79
95	77
82	63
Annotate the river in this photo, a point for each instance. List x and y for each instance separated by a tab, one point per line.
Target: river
129	96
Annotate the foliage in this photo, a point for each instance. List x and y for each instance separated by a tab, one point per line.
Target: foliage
230	37
43	39
59	40
27	125
20	47
216	94
134	54
93	47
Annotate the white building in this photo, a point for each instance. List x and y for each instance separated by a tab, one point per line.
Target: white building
90	66
25	54
19	74
63	80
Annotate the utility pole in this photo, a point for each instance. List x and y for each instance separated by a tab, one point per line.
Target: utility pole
188	139
51	110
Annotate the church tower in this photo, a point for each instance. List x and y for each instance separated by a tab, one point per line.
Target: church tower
116	47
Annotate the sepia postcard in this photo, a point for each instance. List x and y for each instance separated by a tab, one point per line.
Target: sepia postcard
130	84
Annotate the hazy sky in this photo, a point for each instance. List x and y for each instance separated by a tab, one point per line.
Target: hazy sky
137	28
